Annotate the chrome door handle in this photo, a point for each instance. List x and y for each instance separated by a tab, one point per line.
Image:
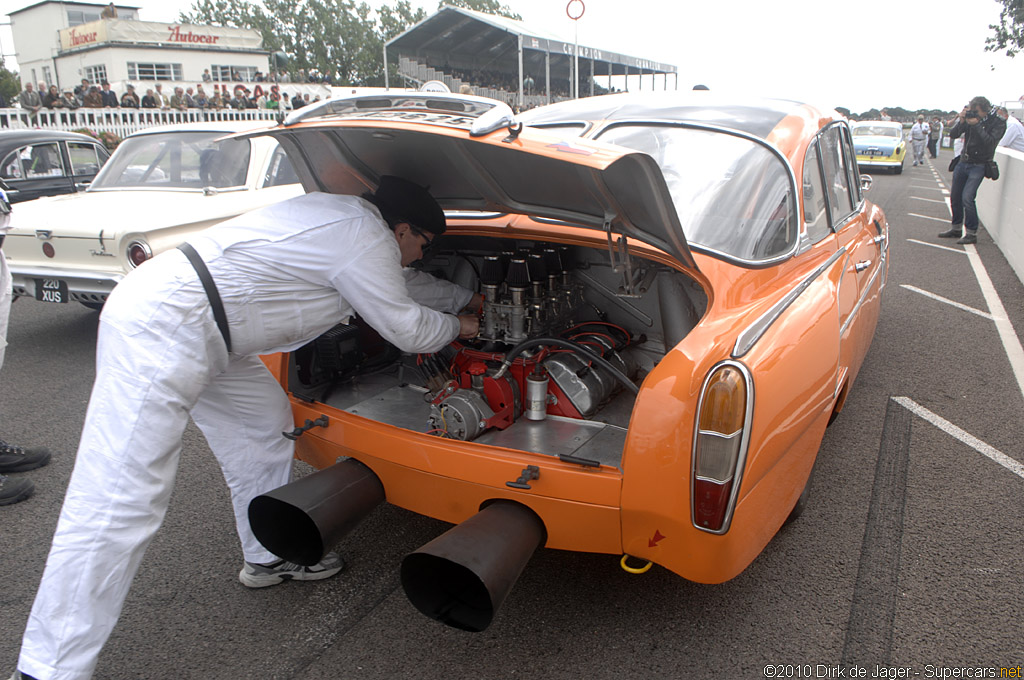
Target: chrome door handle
878	239
861	266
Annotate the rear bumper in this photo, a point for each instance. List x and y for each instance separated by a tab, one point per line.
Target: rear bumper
82	286
878	162
451	481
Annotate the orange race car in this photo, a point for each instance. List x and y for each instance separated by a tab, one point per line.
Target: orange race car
679	292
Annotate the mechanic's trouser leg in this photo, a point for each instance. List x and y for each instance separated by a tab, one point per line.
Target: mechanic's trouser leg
118	494
5	304
242	413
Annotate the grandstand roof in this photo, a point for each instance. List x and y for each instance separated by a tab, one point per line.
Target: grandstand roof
468	39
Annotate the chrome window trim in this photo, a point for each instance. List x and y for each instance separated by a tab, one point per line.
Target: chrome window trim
741	457
749	337
858	207
600	130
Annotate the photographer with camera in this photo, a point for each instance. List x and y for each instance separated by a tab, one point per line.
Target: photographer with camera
981	131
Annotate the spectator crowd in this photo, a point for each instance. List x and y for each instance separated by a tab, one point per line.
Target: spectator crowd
219	96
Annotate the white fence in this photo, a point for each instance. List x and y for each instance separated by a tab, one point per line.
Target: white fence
1001	207
122	122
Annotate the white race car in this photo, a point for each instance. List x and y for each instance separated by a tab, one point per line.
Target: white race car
160	185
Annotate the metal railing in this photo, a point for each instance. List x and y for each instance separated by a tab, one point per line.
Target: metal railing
122	122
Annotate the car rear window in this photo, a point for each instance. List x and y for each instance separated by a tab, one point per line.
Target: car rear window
176	160
733	195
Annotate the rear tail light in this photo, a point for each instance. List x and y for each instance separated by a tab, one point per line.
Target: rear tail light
720	445
138	252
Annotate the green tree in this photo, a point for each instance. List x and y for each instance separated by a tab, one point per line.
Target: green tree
341	37
1009	32
10	86
486	6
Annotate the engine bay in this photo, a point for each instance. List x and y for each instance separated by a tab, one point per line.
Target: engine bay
567	334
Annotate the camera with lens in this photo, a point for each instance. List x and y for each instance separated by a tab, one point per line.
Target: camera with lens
972	115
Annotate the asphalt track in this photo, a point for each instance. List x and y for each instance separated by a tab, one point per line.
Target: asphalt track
908	556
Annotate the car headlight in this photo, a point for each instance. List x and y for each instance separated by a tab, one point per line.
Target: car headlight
720	445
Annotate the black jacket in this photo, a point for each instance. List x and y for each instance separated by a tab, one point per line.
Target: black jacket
980	140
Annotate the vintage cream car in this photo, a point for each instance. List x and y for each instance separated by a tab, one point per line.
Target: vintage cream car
679	292
159	186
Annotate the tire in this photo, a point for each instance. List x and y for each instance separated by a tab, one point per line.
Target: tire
801	502
97	306
898	170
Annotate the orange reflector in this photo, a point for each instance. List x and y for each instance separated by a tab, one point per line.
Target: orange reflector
725	402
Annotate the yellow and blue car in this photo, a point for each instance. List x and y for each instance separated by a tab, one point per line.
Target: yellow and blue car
879	144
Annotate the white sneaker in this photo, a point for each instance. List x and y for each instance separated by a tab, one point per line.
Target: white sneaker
263	575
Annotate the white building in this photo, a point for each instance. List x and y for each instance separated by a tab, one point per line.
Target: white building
60	43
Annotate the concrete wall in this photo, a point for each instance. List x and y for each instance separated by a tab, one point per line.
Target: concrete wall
1001	207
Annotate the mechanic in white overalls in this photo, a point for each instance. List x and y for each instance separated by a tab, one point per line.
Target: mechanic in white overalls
12	458
285	274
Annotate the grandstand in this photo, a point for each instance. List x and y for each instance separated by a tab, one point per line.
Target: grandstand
507	60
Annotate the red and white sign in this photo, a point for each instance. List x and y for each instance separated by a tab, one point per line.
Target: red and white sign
153	33
178	35
575	9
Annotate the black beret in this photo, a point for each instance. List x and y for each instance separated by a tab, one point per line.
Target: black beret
409	202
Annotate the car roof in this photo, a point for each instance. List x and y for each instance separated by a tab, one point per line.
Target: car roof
751	115
13	138
883	123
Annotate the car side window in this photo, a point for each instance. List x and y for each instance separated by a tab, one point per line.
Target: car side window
11	167
36	160
815	207
837	177
280	170
851	164
42	160
85	158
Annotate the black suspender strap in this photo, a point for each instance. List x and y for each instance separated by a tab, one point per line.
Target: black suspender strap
211	291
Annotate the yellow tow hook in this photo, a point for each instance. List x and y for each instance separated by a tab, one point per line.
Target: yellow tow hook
633	570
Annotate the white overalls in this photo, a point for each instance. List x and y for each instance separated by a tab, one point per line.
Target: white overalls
286	274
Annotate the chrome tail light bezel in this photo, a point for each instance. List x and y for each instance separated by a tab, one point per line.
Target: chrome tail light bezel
741	454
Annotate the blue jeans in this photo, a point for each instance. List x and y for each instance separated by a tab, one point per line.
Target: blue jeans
966	180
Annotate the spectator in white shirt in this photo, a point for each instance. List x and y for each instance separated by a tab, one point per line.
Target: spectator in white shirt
1014	137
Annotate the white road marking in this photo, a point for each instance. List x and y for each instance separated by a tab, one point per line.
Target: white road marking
952	430
952	303
1011	343
930	200
936	245
929	217
918	186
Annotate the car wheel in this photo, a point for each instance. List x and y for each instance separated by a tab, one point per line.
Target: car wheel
98	306
801	502
898	170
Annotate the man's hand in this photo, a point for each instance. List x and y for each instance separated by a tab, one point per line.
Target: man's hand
469	326
475	305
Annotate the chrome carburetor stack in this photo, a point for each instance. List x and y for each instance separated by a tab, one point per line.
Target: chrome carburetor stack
527	293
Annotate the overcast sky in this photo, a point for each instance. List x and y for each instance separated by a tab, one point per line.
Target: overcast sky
859	55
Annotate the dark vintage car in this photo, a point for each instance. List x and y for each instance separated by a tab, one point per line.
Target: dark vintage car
39	163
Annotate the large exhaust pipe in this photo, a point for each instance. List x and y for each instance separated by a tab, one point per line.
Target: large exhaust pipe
462	576
301	521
